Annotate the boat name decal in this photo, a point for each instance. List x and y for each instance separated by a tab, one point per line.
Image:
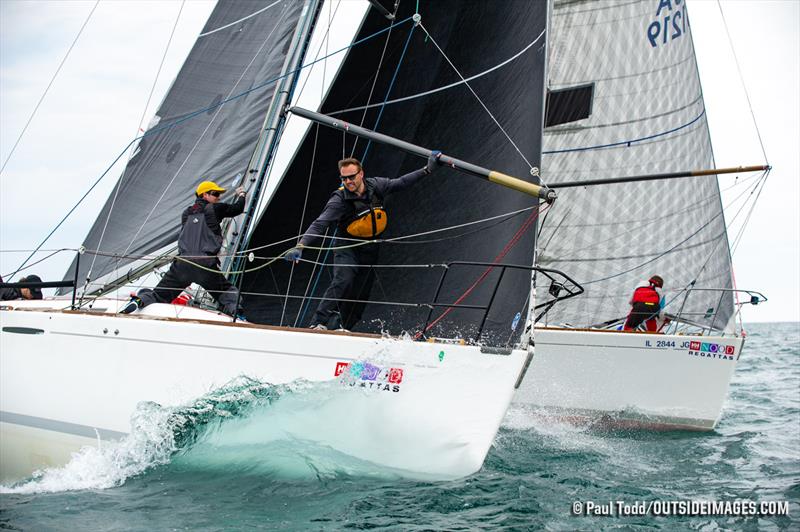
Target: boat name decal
711	350
366	375
670	22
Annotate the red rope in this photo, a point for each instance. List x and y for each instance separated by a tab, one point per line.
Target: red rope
511	243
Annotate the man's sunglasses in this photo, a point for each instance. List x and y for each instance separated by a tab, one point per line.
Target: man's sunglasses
215	193
350	177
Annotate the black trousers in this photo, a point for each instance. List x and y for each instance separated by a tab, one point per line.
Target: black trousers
349	282
181	274
641	312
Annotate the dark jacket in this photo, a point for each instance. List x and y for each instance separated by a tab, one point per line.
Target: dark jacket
7	294
220	210
340	206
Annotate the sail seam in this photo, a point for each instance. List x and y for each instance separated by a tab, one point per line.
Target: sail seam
251	15
444	87
628	142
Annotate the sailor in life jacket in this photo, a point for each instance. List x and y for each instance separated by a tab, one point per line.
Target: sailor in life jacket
356	211
199	243
647	306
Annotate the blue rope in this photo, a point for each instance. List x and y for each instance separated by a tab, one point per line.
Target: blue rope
363	158
628	142
192	115
316	280
386	98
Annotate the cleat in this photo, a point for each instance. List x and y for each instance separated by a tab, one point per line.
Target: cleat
318	327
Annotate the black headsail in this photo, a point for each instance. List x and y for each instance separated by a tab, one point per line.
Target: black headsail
207	129
494	120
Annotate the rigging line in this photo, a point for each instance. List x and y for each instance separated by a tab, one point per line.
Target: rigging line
670	250
625	234
302	221
31	265
739	235
530	166
389	90
304	306
189	117
306	297
251	15
511	243
254	88
372	89
203	134
366	150
64	219
741	79
402	237
325	42
52	80
628	142
444	87
141	122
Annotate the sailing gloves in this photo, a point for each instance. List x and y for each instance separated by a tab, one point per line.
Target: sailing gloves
294	254
433	160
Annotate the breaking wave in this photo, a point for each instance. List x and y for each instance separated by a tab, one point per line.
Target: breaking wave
246	426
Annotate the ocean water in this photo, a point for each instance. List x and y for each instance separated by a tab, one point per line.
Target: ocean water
535	473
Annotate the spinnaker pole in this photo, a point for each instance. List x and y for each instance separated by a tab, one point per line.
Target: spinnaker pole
494	176
654	177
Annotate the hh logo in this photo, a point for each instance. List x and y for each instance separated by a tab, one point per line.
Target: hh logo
341	367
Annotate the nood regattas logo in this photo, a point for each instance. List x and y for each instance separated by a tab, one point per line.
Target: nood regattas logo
370	376
712	350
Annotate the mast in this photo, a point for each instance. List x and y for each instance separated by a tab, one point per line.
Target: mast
236	237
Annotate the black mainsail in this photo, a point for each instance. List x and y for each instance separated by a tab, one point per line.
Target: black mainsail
419	96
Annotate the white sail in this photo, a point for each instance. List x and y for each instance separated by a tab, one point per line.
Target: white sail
646	115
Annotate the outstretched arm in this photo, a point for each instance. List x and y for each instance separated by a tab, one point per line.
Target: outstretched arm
388	186
334	210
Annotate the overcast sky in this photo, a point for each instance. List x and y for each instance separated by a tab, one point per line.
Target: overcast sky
97	103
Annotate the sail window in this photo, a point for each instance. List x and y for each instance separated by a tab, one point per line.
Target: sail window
568	105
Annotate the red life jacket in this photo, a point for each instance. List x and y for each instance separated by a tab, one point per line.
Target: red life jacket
646	295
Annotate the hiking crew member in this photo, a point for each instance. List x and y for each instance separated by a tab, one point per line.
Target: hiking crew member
7	294
356	210
198	244
647	305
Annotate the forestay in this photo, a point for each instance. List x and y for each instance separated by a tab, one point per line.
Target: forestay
626	100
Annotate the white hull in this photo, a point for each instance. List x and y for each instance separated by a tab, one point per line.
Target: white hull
84	374
630	379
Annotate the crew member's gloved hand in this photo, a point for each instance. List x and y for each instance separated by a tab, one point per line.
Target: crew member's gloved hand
240	192
433	160
294	254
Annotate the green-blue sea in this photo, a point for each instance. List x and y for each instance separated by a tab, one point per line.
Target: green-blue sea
535	476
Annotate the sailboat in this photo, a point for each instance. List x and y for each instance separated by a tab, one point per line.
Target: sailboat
466	308
73	370
627	146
